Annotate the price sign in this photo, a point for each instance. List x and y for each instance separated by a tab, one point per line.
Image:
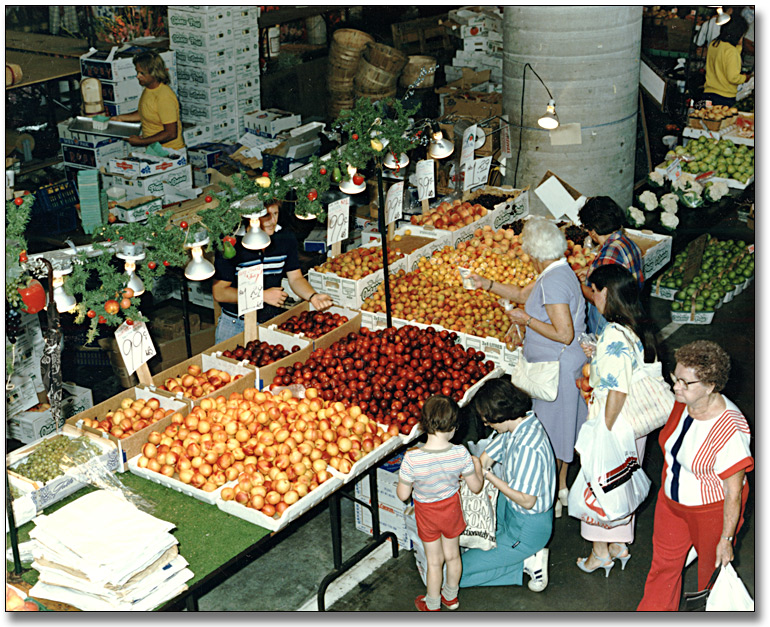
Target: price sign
250	289
426	179
481	171
469	146
338	226
674	170
393	203
135	345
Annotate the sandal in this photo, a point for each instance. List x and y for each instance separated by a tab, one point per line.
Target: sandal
606	563
623	555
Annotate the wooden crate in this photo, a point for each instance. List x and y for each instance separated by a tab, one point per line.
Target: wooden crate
422	36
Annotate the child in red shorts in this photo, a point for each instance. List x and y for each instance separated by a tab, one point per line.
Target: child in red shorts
433	472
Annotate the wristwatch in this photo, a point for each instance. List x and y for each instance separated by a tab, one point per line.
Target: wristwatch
728	538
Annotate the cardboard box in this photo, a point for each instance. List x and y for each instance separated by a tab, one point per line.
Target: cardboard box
117	64
226	128
351	326
121	108
121	91
390	520
131	446
196	133
472	103
206	362
214	38
216	19
270	122
208	114
421	242
167	323
387	481
63	485
190	75
78	138
244	15
29	426
209	96
206	58
138	209
205	155
138	164
348	292
559	197
266	374
656	250
84	157
149	185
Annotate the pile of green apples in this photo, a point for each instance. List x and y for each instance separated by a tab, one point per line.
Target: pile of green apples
725	158
725	265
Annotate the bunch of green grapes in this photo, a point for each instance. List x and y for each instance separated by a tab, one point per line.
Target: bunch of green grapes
45	462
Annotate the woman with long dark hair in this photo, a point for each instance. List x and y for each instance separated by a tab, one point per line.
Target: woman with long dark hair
723	63
626	342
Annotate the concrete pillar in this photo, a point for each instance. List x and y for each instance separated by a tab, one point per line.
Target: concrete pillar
588	56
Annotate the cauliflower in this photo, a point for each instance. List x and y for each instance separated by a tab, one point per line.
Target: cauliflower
716	190
669	202
656	179
687	183
649	200
669	220
636	216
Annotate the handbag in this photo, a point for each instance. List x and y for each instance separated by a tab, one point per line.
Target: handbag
649	400
480	514
615	484
539	379
696	601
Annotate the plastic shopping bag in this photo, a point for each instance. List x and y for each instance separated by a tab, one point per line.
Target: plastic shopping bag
611	470
729	594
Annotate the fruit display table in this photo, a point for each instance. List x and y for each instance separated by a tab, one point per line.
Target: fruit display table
216	544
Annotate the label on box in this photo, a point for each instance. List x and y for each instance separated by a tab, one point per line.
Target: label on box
674	170
135	345
250	288
426	179
338	221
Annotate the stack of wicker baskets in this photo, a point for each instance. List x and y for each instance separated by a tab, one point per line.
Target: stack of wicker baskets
378	71
344	56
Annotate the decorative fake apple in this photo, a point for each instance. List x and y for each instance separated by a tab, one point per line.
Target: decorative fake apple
33	297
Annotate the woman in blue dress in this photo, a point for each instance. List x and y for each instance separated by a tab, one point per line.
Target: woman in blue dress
553	318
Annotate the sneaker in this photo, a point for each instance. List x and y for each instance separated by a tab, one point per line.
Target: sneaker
450	605
536	566
420	604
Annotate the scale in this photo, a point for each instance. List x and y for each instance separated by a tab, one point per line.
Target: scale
119	130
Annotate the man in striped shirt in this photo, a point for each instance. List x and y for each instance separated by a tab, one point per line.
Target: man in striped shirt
525	475
280	259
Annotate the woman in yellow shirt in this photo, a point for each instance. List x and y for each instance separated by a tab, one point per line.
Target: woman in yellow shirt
723	63
158	106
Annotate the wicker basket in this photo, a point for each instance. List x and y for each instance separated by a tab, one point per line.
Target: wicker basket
373	79
376	95
412	69
385	57
346	48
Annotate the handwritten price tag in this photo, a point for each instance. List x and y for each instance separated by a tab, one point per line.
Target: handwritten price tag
426	179
393	203
134	344
674	170
250	289
481	171
338	226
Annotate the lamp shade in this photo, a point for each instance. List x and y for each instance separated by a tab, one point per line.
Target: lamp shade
348	185
255	238
65	303
439	146
136	284
722	17
199	268
550	120
390	161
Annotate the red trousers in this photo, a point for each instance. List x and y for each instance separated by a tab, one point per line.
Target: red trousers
677	528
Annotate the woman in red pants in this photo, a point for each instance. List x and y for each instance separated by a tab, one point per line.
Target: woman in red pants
704	490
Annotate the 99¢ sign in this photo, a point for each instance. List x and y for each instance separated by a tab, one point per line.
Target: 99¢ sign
426	180
134	344
338	225
250	288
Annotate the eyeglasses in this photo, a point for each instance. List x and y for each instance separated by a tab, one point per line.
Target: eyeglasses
682	382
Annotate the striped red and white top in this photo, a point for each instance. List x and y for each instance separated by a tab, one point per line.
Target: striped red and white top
711	451
435	475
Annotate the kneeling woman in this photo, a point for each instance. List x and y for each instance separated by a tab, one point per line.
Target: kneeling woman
527	485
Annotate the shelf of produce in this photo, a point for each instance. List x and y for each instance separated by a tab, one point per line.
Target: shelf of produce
731	133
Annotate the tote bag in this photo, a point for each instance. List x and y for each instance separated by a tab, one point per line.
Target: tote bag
615	483
538	379
649	400
480	514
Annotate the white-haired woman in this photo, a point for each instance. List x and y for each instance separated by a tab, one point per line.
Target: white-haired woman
553	318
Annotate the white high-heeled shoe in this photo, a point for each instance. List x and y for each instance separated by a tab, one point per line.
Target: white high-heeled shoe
605	563
622	555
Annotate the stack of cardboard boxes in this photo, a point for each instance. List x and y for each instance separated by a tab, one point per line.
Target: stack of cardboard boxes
218	55
480	31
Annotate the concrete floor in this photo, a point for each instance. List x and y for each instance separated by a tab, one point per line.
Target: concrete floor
304	557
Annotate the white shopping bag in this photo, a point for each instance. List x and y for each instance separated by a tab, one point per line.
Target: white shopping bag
729	594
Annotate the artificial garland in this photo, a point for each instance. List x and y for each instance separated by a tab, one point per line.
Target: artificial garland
17	213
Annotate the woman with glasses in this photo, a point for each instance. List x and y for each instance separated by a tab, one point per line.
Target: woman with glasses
706	449
625	343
